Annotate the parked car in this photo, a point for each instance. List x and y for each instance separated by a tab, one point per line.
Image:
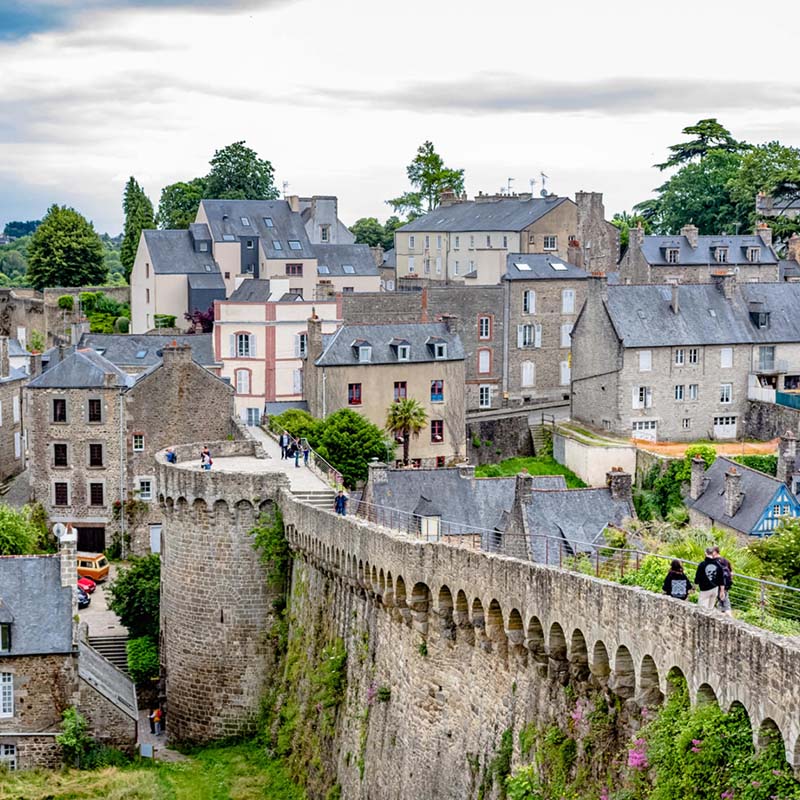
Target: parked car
83	598
93	565
87	584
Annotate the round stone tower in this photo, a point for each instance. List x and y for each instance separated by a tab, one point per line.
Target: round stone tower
216	607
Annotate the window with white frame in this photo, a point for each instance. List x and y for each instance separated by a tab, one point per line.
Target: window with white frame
242	381
686	423
427	242
411	267
364	354
484	361
529	301
564	373
456	267
138	442
457	243
8	756
145	488
471	242
297	382
568	301
551	242
528	377
505	242
721	255
694	355
680	357
753	254
17	444
440	350
301	345
673	255
484	327
438	265
412	242
488	240
679	391
726	393
642	397
529	335
439	242
694	391
566	332
6	694
244	345
403	352
645	360
726	357
15	408
484	396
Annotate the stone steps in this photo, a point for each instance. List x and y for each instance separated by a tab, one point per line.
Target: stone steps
113	649
320	498
541	438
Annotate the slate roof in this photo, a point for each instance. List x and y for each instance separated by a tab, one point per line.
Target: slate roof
274	408
465	504
578	516
508	214
654	250
642	314
390	259
542	267
200	232
788	269
336	256
14	374
225	219
420	335
172	253
37	605
16	349
758	488
83	369
206	280
252	290
124	349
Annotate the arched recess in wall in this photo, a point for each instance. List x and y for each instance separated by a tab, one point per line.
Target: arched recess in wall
534	640
600	666
557	643
388	591
769	735
420	598
462	619
706	695
245	515
740	714
623	679
444	613
676	682
649	684
578	655
199	511
515	630
376	587
400	592
478	618
382	581
495	629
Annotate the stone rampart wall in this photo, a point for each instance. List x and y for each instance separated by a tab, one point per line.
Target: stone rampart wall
768	420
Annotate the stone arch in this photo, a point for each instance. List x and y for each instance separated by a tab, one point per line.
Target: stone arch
367	577
420	603
649	683
199	510
623	679
601	665
400	592
578	656
557	643
462	605
388	591
444	602
706	695
514	629
381	580
461	618
676	681
477	616
374	579
495	629
534	640
245	513
738	709
360	573
769	734
222	513
266	506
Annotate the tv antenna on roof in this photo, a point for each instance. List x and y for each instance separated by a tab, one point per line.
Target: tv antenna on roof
532	182
544	191
510	181
285	188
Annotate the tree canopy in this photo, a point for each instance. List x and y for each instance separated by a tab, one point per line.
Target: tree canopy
65	250
406	418
709	135
135	596
138	217
430	177
18	534
236	173
18	229
368	230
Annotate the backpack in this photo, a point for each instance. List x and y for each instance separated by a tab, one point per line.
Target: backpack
727	575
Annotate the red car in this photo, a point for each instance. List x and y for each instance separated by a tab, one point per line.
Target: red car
87	584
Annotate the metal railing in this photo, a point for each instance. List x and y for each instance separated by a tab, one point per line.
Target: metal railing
755	598
324	469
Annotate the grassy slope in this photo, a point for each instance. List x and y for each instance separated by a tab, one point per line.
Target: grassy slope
239	772
543	465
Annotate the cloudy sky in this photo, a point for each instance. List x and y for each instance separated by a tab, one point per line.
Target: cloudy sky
338	94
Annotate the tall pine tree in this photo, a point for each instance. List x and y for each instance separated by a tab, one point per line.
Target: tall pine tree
138	217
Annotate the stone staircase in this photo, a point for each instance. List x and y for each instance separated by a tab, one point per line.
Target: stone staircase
319	498
542	437
113	649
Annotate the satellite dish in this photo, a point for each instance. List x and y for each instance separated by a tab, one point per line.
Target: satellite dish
544	193
59	529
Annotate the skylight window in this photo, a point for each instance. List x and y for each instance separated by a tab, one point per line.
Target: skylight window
141	353
558	266
712	312
323	270
520	265
294	244
228	237
276	245
245	221
208	267
348	269
268	222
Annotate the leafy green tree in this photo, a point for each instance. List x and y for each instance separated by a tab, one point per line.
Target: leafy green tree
135	596
709	136
76	743
368	230
143	661
430	177
65	251
296	422
406	418
138	217
349	442
18	229
18	535
238	173
625	221
389	227
177	208
781	552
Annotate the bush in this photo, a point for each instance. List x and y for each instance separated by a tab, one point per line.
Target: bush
66	302
19	535
767	464
297	422
121	325
164	320
76	744
135	596
143	662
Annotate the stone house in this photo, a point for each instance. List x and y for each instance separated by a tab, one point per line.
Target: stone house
367	367
543	295
677	362
790	265
767	206
93	433
468	241
45	667
691	258
739	499
12	434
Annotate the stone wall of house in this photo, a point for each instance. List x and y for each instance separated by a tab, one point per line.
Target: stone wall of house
11	462
109	725
20	311
768	420
498	439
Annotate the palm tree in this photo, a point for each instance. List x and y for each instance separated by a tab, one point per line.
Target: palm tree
404	418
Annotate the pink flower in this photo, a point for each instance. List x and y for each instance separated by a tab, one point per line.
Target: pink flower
727	795
755	784
637	755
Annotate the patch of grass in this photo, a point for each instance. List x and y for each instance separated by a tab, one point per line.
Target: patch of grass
535	465
239	772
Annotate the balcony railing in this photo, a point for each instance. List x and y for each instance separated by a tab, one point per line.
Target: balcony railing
770	366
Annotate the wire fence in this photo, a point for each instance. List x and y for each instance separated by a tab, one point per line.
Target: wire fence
758	601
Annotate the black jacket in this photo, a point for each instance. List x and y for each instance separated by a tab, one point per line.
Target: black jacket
677	584
708	575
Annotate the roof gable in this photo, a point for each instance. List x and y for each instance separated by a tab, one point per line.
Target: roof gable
83	369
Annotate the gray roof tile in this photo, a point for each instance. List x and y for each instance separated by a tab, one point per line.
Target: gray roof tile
336	256
654	249
172	253
542	267
252	290
144	350
83	369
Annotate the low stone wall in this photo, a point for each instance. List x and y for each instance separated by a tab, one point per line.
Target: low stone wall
645	461
499	439
591	462
767	421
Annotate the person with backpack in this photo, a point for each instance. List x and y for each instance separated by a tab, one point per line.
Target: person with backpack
724	600
709	579
677	583
205	458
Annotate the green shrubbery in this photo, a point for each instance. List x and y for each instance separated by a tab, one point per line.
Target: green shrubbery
767	464
534	465
143	662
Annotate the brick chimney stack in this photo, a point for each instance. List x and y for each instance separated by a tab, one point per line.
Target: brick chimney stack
636	236
733	491
698	476
765	232
314	343
725	283
675	305
176	353
691	233
787	456
5	366
793	248
621	484
451	322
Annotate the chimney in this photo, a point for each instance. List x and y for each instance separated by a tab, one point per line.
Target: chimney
787	456
674	305
451	322
574	253
111	379
67	550
35	365
621	485
636	236
447	198
314	343
733	491
725	283
466	471
62	353
377	473
4	363
176	354
524	486
765	232
690	232
698	477
377	255
294	203
598	285
793	248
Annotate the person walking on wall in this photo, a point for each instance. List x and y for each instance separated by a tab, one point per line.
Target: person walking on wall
709	579
283	441
724	600
296	446
306	451
340	503
677	583
205	458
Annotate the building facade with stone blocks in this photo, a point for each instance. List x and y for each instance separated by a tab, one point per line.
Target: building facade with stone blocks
367	367
543	296
12	434
692	258
678	362
260	338
467	241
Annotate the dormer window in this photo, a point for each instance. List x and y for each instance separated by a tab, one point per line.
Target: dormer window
673	255
721	255
203	247
760	319
440	350
363	351
5	637
403	352
294	244
754	254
